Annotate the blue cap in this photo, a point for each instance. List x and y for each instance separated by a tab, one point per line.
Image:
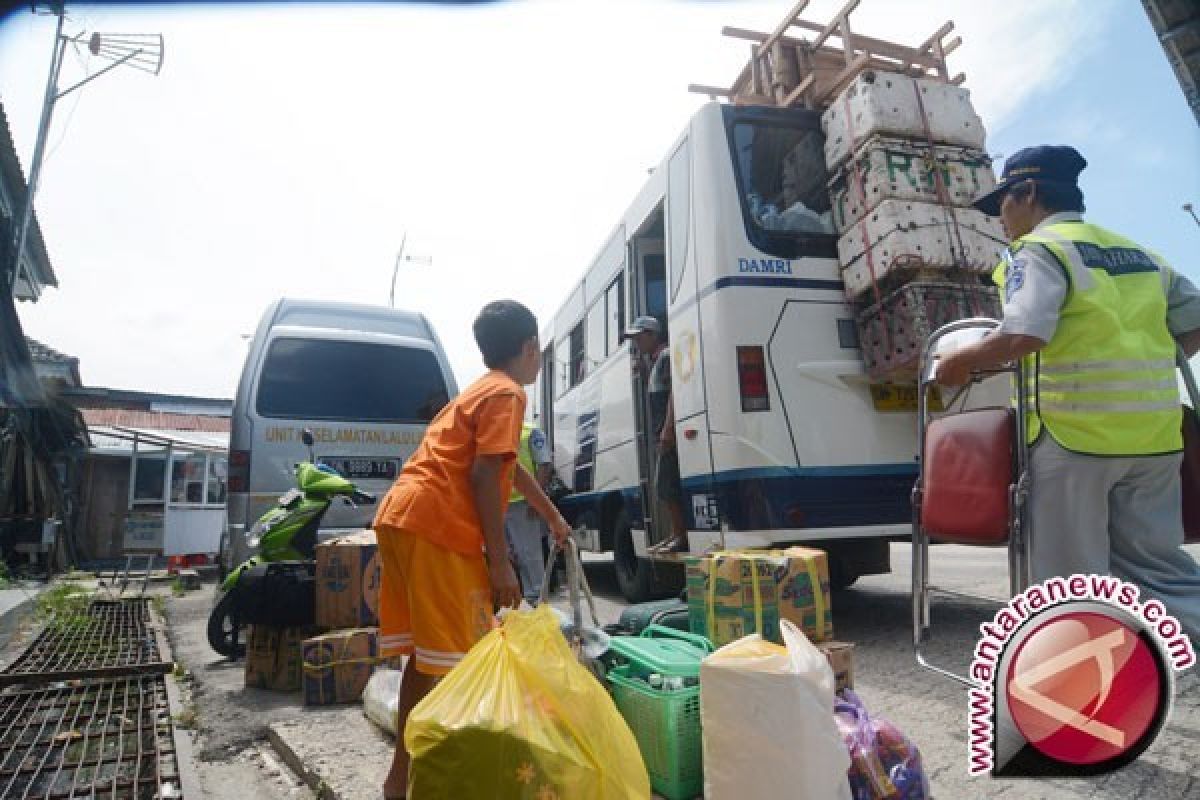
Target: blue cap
1045	164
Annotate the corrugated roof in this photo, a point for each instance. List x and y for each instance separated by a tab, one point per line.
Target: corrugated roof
157	420
1177	23
14	179
118	440
47	354
102	397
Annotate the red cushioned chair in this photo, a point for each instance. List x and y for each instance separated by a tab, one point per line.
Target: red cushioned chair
971	486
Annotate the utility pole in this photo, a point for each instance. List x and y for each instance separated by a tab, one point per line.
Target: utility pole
140	51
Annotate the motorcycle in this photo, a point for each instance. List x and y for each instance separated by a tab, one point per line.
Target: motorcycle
286	532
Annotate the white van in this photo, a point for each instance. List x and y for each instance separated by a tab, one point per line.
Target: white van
365	379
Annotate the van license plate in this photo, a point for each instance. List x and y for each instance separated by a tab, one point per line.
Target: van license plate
888	397
358	469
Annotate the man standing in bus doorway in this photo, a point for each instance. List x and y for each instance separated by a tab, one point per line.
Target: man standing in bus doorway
1098	319
654	362
522	525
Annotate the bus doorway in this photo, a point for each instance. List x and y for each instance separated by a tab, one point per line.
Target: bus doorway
649	288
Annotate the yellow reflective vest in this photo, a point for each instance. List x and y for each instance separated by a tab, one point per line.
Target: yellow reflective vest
1105	383
525	459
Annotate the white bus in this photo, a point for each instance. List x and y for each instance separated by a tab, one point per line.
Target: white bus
730	245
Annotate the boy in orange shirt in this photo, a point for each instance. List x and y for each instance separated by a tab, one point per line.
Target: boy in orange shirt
441	526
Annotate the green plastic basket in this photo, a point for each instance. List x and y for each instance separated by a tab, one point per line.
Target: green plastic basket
665	723
666	651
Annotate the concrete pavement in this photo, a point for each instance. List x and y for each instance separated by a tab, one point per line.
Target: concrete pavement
16	608
339	753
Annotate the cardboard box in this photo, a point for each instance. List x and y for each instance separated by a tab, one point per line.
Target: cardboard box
841	658
735	589
337	665
274	658
348	581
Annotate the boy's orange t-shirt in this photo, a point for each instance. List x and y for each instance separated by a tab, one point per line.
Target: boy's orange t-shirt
432	497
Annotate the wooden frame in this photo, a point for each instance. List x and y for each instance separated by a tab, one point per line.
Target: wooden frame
787	71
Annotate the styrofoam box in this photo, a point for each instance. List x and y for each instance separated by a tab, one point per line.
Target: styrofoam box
910	235
892	333
901	169
885	102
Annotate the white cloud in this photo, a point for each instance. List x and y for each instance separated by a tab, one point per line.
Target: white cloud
285	150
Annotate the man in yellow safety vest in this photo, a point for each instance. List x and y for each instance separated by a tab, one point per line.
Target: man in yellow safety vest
1098	319
522	526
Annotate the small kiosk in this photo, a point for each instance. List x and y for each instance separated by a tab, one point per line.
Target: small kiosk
177	486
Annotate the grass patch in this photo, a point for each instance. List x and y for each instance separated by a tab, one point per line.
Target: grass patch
177	588
5	576
64	604
188	718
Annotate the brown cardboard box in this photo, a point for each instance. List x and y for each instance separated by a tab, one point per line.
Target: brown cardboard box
841	658
337	665
273	657
732	590
348	581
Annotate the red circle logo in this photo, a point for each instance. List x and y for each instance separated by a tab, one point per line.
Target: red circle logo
1085	688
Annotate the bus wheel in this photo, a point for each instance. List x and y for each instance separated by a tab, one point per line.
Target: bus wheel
842	574
638	578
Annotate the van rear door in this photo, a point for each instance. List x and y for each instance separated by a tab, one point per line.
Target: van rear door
366	397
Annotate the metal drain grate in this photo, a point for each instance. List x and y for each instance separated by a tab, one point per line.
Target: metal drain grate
110	739
110	638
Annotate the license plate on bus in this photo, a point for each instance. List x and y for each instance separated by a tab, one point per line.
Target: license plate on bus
889	397
358	469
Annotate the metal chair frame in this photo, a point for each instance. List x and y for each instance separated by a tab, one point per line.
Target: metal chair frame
1020	532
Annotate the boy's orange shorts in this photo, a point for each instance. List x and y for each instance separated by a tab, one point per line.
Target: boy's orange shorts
434	603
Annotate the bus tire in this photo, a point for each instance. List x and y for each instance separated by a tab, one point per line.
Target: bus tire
842	574
638	578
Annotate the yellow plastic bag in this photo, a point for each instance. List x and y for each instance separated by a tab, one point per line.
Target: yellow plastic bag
520	719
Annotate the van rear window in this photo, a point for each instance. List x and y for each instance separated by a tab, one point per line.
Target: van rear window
350	381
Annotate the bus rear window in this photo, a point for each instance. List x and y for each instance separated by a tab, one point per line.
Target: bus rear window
350	381
781	178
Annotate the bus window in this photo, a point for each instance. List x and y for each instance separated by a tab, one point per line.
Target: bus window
578	355
616	314
654	266
781	178
562	367
678	211
595	333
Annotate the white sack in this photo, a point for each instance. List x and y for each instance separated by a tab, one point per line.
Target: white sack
768	723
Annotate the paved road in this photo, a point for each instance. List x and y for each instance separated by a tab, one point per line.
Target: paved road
932	710
874	615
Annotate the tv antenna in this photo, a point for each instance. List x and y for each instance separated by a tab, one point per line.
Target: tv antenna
402	257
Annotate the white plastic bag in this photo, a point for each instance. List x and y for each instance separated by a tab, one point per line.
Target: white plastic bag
767	715
381	698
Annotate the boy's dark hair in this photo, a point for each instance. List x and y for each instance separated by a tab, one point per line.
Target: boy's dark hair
502	329
1052	195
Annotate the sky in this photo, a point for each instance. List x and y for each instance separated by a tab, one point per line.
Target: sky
288	150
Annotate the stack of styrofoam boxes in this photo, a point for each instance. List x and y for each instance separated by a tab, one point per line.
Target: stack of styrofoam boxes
910	255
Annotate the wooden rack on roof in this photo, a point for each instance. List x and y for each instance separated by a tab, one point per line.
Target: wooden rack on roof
787	71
